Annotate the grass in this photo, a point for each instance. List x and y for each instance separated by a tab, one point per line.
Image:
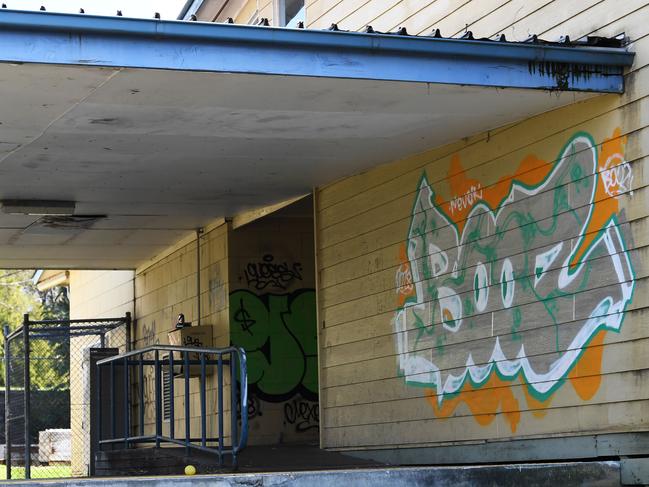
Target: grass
51	472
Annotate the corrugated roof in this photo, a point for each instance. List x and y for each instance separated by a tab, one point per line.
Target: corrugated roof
618	41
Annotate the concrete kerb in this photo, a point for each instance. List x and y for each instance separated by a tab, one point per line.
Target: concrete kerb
600	473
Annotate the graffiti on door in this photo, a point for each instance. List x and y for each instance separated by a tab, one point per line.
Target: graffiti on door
278	332
515	282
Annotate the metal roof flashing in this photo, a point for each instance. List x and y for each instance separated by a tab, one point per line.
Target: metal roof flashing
203	46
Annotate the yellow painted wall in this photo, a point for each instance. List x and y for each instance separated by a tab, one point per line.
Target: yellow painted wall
93	294
167	288
516	19
240	11
398	300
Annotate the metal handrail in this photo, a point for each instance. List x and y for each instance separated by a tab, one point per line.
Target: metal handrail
220	357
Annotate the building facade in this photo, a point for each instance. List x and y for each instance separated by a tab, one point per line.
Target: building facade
479	301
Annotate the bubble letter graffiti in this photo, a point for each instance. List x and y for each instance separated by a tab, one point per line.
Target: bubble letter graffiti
515	281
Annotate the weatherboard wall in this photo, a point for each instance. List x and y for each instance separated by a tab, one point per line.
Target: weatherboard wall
543	301
167	288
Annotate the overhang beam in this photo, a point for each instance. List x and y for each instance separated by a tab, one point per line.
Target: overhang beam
67	39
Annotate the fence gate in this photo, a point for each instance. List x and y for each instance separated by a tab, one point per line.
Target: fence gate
47	401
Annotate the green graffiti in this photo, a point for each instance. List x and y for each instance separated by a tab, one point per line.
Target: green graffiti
278	333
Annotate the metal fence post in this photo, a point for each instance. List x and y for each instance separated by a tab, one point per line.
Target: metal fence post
128	331
28	454
7	361
98	418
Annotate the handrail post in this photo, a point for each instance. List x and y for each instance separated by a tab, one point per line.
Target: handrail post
28	456
188	433
233	404
141	399
203	405
220	406
127	410
158	400
113	413
243	384
7	402
172	401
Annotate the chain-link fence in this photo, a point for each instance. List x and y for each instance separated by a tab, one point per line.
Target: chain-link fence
47	395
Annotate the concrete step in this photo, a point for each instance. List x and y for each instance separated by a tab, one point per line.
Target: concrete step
595	474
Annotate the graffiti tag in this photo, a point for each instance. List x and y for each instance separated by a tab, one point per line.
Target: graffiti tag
303	414
242	318
190	341
149	335
468	199
616	175
268	273
404	280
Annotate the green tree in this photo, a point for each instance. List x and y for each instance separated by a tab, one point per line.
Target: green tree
50	358
18	295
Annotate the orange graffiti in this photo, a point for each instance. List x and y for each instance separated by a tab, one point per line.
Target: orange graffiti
538	408
604	206
484	403
466	191
586	376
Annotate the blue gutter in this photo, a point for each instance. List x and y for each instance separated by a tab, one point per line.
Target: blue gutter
44	37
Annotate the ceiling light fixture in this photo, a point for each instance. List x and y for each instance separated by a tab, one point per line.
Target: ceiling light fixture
38	207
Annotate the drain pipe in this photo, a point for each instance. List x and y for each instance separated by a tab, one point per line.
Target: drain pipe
199	232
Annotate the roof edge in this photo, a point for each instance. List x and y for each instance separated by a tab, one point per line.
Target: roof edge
119	42
216	32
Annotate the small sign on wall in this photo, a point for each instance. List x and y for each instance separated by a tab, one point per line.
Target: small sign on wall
191	336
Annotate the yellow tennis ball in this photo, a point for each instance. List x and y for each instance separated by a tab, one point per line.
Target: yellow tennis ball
190	470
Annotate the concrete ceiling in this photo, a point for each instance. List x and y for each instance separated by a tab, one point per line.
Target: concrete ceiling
163	152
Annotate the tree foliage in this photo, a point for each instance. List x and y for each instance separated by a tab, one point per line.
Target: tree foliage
49	358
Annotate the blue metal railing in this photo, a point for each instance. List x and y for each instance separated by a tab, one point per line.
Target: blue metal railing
182	363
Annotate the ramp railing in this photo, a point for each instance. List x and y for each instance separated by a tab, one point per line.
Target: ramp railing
137	399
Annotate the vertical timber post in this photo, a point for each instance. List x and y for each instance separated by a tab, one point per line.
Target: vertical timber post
7	394
28	455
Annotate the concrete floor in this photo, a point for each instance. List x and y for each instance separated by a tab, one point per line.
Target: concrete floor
253	459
